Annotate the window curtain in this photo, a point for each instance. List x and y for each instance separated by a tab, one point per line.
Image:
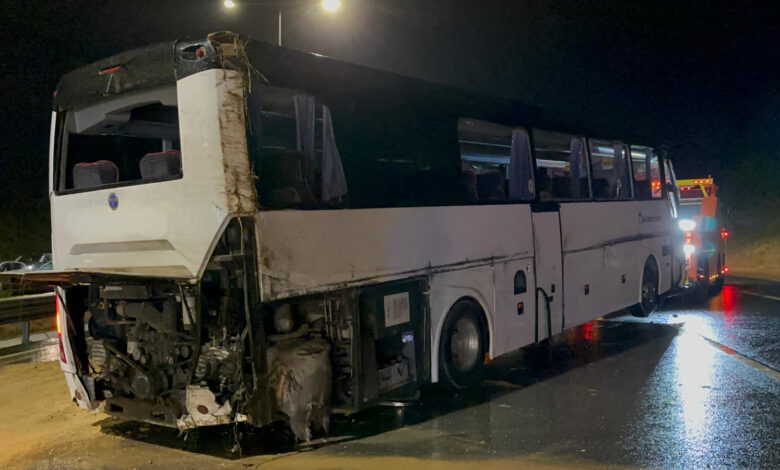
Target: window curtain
620	169
577	167
334	184
304	121
521	185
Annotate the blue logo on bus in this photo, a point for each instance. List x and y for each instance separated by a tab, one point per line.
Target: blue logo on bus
113	201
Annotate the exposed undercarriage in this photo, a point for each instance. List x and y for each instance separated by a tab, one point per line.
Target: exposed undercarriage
185	354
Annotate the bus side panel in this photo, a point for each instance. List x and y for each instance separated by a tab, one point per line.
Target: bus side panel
605	246
514	314
586	291
509	326
655	232
303	252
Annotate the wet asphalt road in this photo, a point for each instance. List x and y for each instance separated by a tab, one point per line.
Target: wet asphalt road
675	390
692	386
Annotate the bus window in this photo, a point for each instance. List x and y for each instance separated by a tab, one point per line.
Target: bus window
495	161
112	144
609	170
640	161
294	150
561	165
655	177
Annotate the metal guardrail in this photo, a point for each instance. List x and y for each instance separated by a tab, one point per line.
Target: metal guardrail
25	308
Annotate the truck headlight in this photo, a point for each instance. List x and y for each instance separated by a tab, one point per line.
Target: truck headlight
686	225
688	249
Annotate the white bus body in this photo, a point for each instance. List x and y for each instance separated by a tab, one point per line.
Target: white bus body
186	298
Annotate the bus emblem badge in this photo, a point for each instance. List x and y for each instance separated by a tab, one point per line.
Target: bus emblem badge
113	201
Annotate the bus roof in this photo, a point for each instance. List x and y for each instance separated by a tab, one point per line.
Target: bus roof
164	63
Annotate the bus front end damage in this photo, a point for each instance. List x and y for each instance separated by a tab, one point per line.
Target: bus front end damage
184	353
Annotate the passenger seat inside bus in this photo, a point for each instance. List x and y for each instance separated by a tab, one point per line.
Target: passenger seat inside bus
160	165
87	175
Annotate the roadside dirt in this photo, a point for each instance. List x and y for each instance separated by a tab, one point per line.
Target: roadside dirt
41	429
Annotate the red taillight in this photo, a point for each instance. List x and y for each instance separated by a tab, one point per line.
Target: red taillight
109	70
60	324
724	234
725	270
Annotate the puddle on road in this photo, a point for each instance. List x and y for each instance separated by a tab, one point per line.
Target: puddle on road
578	347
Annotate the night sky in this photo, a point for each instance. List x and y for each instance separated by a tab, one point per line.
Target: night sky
705	79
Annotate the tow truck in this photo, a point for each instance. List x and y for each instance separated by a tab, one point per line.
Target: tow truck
704	246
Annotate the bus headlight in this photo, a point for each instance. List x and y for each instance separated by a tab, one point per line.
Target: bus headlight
686	225
688	249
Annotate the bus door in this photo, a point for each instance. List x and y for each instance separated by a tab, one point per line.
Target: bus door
548	266
677	238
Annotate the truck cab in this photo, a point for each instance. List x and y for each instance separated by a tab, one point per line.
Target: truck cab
700	220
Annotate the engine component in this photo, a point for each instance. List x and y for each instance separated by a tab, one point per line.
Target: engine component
208	362
203	409
301	378
164	321
303	330
283	319
146	385
97	356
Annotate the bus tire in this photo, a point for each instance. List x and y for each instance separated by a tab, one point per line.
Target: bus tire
649	297
462	346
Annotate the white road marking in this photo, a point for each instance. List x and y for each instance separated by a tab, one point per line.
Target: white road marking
756	294
744	359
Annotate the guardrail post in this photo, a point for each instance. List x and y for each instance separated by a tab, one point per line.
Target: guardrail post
26	332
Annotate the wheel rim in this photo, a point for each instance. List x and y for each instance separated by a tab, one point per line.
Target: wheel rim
464	344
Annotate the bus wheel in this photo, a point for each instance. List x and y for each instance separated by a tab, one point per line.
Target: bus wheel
649	299
462	347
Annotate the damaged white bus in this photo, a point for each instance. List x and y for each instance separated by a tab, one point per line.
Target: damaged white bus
243	232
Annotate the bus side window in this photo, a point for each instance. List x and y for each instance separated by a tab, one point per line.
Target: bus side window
495	161
655	177
609	167
640	162
293	149
561	164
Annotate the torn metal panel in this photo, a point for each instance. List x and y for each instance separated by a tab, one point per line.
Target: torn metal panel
301	377
74	277
239	179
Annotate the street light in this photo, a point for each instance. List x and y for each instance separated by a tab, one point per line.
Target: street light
328	5
331	5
